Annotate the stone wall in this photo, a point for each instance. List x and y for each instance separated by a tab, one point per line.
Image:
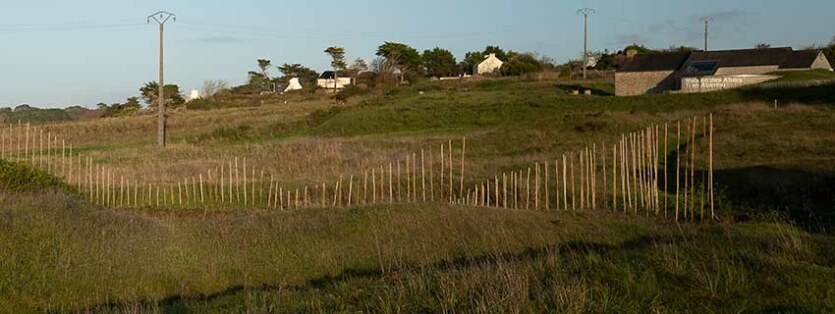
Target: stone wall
639	83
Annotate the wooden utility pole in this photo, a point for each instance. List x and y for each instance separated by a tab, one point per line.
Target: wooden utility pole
161	17
585	13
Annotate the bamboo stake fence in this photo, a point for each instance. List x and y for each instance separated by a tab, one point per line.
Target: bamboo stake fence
629	176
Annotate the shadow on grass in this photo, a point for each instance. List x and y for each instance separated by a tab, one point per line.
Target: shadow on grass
595	90
805	198
814	95
573	249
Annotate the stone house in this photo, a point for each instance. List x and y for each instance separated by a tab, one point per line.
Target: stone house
703	71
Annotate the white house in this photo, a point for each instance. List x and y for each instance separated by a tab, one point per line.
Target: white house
490	65
326	80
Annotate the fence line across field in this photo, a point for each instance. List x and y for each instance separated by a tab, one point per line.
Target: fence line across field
579	181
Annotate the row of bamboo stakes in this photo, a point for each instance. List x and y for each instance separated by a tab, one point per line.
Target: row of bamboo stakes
632	175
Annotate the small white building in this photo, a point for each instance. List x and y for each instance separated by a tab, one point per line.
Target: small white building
292	85
193	95
490	65
326	80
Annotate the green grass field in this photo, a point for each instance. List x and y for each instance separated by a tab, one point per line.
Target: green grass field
770	252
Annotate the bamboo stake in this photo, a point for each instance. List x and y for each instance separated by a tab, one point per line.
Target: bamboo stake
582	182
451	194
710	171
504	190
515	191
536	189
463	153
431	176
307	199
704	186
443	169
382	183
121	191
414	178
678	166
605	181
400	183
364	188
391	188
693	169
557	184
350	190
202	200
665	170
408	179
422	176
687	172
373	186
615	177
547	199
528	190
593	166
573	186
564	183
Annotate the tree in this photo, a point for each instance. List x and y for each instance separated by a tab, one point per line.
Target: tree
130	107
337	62
406	58
173	97
211	88
640	49
762	45
356	68
499	52
265	65
521	63
306	75
471	59
439	62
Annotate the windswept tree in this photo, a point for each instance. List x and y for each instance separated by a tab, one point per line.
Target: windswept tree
439	62
214	87
264	65
356	68
337	62
305	75
173	96
406	58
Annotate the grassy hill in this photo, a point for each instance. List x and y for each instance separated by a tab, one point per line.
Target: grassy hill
769	253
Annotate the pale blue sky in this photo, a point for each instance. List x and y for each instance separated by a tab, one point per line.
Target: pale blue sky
58	53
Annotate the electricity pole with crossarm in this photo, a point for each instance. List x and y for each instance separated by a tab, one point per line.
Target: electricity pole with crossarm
585	12
161	17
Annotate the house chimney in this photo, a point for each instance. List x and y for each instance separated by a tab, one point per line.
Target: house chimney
492	55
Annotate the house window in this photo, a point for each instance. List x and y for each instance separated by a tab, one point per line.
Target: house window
702	67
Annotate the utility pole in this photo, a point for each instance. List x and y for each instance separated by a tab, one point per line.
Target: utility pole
585	12
707	21
161	17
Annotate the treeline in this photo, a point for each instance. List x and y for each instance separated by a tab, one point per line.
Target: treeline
394	62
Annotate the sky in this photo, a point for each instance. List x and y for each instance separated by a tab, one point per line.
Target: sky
58	53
